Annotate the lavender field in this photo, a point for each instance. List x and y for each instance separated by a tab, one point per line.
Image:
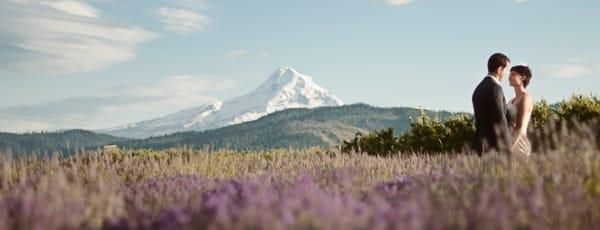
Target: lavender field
308	189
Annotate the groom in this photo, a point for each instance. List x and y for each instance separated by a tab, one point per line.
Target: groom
489	104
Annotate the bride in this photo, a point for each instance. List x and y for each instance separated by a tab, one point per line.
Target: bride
519	109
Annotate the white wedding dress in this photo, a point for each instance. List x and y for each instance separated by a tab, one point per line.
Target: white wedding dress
523	145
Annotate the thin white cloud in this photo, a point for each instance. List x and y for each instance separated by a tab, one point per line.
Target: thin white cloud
115	107
235	54
182	21
73	7
59	37
182	90
406	2
191	4
397	2
569	70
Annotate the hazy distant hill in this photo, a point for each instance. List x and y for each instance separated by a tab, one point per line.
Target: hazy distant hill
293	128
51	142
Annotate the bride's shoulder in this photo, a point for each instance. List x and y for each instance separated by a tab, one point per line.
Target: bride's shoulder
527	97
527	101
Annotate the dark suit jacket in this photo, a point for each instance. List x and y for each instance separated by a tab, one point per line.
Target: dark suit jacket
491	125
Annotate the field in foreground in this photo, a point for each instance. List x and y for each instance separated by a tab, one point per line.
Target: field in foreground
309	189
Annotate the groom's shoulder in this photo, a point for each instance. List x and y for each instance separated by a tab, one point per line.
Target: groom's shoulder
488	86
488	82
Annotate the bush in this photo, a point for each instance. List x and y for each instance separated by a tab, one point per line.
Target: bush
579	108
427	135
542	113
431	135
460	132
382	143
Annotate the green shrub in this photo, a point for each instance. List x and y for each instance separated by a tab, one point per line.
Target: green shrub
427	135
460	133
382	143
431	135
579	108
541	114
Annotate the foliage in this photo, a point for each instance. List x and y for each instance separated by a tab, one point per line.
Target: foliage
459	133
431	135
579	114
427	135
381	142
579	108
542	114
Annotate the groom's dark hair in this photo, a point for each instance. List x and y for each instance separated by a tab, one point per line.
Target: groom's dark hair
496	61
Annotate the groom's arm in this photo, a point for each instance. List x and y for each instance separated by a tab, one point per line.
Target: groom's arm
499	113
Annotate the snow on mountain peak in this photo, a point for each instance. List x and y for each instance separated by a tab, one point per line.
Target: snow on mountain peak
286	74
281	78
286	88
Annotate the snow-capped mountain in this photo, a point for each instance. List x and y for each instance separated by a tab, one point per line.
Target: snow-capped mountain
285	89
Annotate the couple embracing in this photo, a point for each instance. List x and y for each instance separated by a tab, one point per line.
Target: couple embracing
502	125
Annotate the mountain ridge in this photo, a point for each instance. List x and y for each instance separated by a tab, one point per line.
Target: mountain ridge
286	88
323	127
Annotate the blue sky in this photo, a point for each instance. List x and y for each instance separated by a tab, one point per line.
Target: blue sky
101	63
